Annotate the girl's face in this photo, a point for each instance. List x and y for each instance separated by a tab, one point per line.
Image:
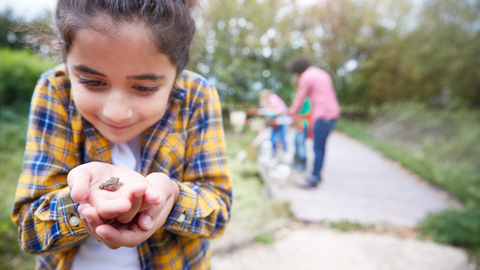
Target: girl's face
120	82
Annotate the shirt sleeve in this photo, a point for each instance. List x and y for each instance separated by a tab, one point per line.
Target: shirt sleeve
303	89
277	104
43	210
203	207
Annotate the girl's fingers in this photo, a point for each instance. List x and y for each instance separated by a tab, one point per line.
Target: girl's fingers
91	221
82	207
146	219
152	196
124	237
136	200
92	217
79	179
110	209
79	182
134	193
155	214
145	206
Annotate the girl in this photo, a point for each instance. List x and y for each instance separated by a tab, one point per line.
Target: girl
122	106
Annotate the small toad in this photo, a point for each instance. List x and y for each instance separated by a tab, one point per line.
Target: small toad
111	184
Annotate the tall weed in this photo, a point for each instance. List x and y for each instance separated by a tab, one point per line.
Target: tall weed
443	141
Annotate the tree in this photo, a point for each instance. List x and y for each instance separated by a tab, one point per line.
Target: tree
8	37
376	51
243	46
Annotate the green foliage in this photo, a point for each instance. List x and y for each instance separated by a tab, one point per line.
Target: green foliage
234	47
15	33
265	238
377	51
474	256
12	257
12	144
244	46
252	210
8	37
19	73
345	225
433	63
444	144
13	129
459	227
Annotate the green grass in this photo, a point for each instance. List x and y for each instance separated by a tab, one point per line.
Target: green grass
443	148
265	238
12	144
252	209
345	225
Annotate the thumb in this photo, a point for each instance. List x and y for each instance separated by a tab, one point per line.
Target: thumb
79	183
146	218
79	180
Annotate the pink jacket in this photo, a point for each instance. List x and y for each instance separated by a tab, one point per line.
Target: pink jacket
317	84
275	102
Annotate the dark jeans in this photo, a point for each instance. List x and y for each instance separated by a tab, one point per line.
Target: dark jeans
300	150
321	129
279	134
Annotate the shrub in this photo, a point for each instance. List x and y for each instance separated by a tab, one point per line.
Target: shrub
459	227
13	130
19	72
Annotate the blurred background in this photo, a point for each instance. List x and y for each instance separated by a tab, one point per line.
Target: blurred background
406	73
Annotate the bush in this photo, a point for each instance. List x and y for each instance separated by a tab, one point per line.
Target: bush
12	144
13	130
459	227
19	73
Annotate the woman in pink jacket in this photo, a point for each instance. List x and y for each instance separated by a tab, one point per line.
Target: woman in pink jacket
316	84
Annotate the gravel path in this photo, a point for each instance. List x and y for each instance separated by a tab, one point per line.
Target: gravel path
316	247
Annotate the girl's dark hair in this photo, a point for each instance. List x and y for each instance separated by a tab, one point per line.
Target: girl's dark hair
169	21
299	65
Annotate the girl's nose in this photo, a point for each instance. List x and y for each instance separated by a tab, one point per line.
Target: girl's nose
117	108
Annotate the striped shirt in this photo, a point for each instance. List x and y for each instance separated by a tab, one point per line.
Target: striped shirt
187	144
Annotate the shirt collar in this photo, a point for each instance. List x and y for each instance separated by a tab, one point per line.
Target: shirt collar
179	92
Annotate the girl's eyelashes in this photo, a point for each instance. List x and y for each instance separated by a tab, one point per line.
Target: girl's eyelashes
91	83
146	90
94	84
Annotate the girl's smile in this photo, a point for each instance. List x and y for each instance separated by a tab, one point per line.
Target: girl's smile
120	83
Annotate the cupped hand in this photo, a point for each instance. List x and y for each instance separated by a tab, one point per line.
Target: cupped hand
91	220
147	222
123	204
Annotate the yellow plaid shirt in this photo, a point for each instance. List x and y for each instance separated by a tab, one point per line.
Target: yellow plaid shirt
187	144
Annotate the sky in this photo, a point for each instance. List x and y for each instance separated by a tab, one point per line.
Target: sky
30	9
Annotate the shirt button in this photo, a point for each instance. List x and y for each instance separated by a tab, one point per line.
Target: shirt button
74	221
181	218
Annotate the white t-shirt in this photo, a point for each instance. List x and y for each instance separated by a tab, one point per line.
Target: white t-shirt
95	255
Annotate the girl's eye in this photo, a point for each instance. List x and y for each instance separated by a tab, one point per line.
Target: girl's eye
146	90
90	83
